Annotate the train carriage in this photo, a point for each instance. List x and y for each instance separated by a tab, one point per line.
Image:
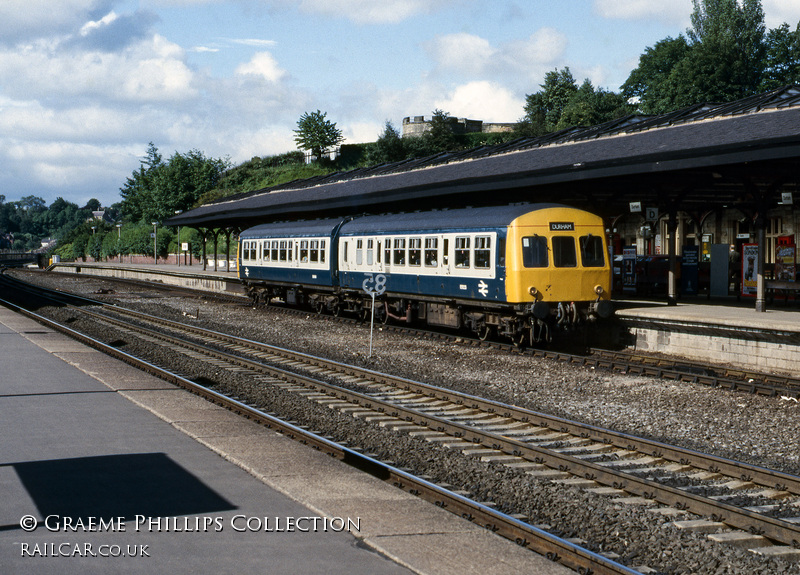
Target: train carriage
517	271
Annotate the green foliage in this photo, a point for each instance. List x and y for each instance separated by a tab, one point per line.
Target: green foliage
158	189
316	134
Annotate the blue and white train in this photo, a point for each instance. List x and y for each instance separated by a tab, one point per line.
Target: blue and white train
516	271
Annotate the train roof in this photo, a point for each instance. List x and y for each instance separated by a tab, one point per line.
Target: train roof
293	229
460	219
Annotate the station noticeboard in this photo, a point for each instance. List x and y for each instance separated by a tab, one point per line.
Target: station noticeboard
749	269
629	269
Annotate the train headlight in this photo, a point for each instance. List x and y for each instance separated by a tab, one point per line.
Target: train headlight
533	291
598	289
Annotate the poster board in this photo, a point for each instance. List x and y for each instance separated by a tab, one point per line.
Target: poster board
749	269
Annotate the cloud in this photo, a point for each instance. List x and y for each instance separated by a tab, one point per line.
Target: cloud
776	12
26	19
483	100
517	62
113	32
674	12
264	65
370	11
149	70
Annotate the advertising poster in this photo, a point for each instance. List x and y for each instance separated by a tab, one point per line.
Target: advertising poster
785	262
749	269
629	270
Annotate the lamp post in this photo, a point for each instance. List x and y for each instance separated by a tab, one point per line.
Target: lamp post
178	246
119	241
155	243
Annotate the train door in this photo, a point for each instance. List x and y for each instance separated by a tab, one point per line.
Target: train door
446	256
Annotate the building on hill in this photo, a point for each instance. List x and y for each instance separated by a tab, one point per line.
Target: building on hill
418	125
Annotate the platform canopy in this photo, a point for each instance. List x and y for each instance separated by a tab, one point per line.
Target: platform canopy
741	154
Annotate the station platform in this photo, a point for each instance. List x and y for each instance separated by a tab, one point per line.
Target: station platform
105	469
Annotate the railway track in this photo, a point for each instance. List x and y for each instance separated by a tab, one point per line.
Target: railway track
760	505
555	548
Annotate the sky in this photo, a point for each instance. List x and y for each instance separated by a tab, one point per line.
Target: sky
85	85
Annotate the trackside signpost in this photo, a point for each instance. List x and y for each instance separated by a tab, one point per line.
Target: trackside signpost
373	284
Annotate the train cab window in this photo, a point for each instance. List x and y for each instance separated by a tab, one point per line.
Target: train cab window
592	253
370	252
314	254
483	250
534	252
414	251
359	252
399	251
431	252
303	250
274	251
462	252
564	252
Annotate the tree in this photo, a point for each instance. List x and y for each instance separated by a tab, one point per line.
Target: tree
782	59
722	60
440	137
544	108
388	148
316	134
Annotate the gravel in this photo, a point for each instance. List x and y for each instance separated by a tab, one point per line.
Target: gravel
755	429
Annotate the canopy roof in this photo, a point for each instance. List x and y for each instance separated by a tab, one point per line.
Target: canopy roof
698	158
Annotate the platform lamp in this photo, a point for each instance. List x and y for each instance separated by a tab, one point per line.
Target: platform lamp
178	246
119	241
155	243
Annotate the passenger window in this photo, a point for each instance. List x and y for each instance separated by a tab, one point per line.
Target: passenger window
265	251
314	254
359	252
564	252
462	252
445	252
399	251
282	251
534	252
253	251
483	250
303	251
274	250
387	254
370	251
322	248
431	252
592	253
414	251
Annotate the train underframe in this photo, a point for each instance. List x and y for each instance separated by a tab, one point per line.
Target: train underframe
523	324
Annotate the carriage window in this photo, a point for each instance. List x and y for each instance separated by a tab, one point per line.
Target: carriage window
322	251
592	253
483	248
564	252
314	255
414	251
359	252
274	250
431	251
253	255
462	252
399	251
370	251
282	251
265	251
245	251
303	250
534	252
387	254
290	245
